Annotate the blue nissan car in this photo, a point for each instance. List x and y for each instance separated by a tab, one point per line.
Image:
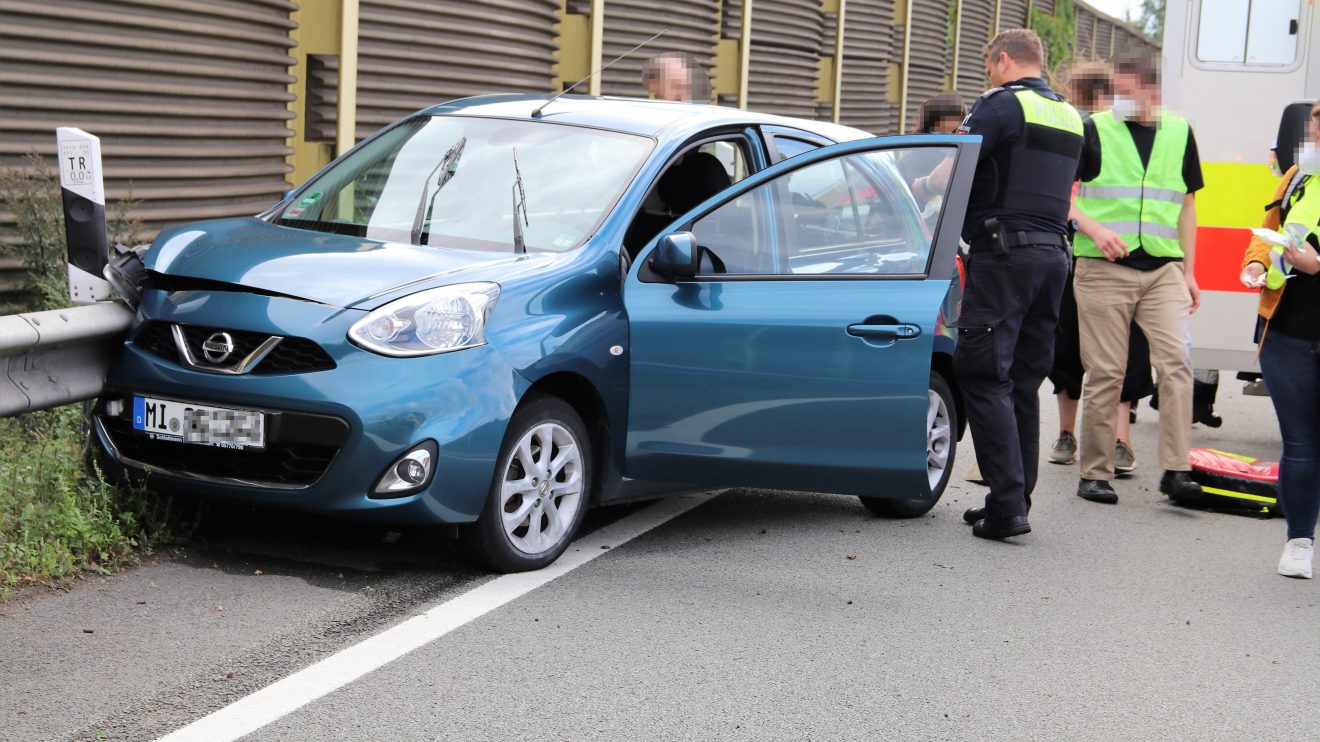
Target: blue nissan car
502	310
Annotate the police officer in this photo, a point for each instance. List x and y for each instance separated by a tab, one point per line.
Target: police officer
1018	261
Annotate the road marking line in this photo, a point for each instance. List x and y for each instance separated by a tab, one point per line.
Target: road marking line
277	700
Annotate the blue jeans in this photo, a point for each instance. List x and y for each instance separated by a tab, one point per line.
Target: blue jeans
1291	368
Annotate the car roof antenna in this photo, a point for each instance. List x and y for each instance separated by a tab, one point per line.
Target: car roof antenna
537	113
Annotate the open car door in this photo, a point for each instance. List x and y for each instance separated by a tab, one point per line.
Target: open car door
781	332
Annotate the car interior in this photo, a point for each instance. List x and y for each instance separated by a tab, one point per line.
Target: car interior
696	176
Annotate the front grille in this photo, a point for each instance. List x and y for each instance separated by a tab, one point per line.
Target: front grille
282	463
295	356
291	355
156	338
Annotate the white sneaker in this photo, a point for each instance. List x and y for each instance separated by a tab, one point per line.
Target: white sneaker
1296	559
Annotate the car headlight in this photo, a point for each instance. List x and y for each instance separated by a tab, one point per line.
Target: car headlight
428	322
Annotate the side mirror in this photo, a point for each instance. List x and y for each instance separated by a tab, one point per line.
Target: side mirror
1292	132
676	255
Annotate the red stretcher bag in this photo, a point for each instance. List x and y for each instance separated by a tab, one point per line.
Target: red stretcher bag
1231	480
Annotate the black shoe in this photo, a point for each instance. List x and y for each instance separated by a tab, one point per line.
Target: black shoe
1206	417
1001	528
971	515
1180	485
1097	490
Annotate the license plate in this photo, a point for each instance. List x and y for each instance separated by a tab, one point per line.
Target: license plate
165	419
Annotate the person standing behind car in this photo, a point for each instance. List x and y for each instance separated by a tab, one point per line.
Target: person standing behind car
1290	345
1136	213
940	114
1090	87
1016	228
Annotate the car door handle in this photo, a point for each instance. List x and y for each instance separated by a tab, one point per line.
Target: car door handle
885	332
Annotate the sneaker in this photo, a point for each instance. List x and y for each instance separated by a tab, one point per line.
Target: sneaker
1064	450
1296	559
1125	462
1255	389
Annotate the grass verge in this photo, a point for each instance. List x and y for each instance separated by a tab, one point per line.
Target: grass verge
59	517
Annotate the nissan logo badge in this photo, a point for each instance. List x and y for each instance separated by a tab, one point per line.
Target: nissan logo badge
218	347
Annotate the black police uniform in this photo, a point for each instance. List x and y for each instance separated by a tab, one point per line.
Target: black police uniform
1016	227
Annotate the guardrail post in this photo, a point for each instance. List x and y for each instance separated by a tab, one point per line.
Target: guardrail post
82	190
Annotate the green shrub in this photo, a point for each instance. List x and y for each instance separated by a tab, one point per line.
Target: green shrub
1058	32
59	516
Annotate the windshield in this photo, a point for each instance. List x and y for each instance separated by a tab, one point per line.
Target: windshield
449	181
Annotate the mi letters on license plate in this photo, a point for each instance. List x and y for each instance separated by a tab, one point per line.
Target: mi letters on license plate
166	419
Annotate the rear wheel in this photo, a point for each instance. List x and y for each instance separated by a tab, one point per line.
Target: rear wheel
941	446
540	490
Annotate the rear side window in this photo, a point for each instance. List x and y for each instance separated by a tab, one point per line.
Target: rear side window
788	147
1250	33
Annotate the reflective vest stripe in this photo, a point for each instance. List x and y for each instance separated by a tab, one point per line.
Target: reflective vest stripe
1154	194
1143	228
1142	203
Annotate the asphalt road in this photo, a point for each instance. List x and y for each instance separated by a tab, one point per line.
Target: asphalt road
758	615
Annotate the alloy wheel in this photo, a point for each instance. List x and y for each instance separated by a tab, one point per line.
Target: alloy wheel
542	488
939	438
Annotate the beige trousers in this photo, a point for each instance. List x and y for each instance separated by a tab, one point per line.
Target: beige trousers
1109	298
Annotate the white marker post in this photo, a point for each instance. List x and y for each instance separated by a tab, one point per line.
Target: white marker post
83	192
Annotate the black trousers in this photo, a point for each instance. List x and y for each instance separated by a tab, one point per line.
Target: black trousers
1006	329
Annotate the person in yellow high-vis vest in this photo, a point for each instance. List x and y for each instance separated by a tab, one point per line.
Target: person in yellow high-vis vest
1017	264
1290	345
1136	217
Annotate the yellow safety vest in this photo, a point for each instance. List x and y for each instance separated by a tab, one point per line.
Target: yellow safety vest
1304	210
1141	204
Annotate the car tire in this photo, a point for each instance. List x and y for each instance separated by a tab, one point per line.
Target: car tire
941	447
534	506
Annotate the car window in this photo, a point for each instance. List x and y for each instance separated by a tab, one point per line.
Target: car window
1254	33
693	176
448	181
852	215
788	147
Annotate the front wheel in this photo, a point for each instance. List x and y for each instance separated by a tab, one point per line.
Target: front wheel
540	490
941	446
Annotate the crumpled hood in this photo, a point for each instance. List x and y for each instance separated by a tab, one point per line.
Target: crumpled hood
330	269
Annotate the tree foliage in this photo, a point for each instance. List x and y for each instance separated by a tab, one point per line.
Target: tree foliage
1057	31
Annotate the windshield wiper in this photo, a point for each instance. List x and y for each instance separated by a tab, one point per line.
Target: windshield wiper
519	204
448	164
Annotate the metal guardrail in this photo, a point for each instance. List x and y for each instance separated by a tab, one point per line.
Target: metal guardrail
59	356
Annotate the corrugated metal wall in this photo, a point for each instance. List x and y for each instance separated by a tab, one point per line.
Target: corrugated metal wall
1012	14
930	54
872	46
1104	36
974	31
190	99
1085	44
785	57
416	53
691	27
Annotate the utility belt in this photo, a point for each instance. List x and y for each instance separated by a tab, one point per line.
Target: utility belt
1000	240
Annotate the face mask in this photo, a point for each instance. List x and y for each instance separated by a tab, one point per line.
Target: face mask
1124	108
1308	159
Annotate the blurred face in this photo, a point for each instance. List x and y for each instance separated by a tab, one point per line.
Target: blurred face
947	125
672	82
1315	124
1147	97
1102	101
